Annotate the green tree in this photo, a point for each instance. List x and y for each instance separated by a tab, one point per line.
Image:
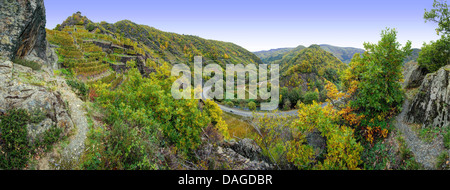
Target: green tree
252	106
437	54
287	105
310	96
379	91
439	15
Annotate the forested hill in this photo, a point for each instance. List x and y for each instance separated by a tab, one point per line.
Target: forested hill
313	60
345	54
310	66
303	76
170	47
270	56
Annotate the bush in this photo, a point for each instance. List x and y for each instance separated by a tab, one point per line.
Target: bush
33	65
78	86
229	104
310	96
49	138
90	27
252	106
287	104
15	148
120	148
436	54
447	138
142	102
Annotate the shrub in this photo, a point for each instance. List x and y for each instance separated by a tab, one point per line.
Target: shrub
436	54
90	27
49	138
33	65
213	111
120	148
78	86
310	96
15	148
229	104
447	137
144	101
287	104
343	152
252	106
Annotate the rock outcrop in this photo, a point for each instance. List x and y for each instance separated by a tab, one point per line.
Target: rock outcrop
413	75
431	105
247	148
22	29
23	88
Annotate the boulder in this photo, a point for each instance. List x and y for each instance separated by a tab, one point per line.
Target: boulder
431	105
240	162
247	148
22	29
413	75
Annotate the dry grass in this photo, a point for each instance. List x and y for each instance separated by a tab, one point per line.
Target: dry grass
238	127
411	93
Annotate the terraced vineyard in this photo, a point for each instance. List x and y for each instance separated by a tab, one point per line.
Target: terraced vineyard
79	53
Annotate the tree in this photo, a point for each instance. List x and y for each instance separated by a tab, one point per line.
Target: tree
439	15
437	54
252	106
310	97
287	105
377	74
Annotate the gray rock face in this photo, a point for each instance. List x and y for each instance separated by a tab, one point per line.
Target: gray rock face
431	105
22	29
241	162
23	88
413	75
247	148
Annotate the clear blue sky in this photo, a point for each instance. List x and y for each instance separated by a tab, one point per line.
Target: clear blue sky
262	25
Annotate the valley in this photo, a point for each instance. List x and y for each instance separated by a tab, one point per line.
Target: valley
99	96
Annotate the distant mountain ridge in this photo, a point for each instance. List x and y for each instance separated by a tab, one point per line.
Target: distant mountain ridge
345	54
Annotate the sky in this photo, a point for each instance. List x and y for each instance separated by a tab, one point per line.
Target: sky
263	25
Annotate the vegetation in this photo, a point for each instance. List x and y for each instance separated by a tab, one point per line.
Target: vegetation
15	147
440	15
79	87
345	112
33	65
375	78
252	106
284	140
14	142
437	54
345	54
144	118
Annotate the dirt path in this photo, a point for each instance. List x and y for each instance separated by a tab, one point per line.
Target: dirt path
425	153
71	153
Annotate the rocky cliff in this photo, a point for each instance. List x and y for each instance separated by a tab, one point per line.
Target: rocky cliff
431	105
23	36
23	88
413	75
22	30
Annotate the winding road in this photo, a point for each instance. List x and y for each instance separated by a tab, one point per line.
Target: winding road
244	113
